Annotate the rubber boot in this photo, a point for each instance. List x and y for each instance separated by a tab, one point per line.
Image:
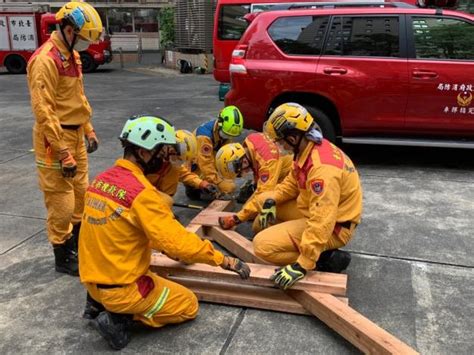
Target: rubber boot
65	258
113	328
192	193
92	308
246	190
334	260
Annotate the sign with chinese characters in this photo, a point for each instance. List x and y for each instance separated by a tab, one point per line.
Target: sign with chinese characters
22	32
4	43
462	95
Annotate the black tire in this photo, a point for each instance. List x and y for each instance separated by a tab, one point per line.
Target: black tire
323	120
88	64
15	64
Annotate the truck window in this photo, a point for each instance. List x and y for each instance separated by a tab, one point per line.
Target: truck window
376	36
299	35
51	28
443	38
231	21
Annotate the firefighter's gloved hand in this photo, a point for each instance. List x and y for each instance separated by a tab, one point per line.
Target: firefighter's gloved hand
285	277
92	142
236	265
267	216
68	163
229	222
209	188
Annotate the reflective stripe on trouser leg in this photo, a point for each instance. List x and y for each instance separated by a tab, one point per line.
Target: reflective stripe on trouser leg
168	302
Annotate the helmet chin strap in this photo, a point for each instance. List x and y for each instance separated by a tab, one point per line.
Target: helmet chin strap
70	46
295	146
147	167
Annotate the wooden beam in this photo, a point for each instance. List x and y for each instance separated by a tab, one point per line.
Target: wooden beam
236	244
196	229
353	326
210	218
260	275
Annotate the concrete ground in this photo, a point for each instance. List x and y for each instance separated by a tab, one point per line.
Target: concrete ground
412	269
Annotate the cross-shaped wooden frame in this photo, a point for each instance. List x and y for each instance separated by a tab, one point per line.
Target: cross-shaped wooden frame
320	294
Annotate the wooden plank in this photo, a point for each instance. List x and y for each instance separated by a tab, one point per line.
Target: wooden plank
236	244
210	218
260	275
353	326
196	229
219	205
266	298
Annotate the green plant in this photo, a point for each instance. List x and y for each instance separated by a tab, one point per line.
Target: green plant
166	18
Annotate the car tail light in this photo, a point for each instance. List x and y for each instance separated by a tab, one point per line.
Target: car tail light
237	63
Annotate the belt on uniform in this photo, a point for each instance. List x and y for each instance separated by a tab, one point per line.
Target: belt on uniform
108	286
74	127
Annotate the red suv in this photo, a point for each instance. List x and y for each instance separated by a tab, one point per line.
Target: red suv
399	75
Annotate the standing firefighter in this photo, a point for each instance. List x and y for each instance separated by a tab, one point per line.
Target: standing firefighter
63	116
259	155
211	136
328	194
124	219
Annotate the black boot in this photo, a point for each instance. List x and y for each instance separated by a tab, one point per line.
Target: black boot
113	328
92	309
75	235
66	258
333	261
192	193
246	190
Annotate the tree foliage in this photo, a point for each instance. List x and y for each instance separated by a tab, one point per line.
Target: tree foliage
167	27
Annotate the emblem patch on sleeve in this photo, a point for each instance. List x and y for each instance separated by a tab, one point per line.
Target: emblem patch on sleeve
206	149
317	186
264	176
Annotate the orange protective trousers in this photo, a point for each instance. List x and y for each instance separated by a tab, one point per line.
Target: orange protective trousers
63	197
168	302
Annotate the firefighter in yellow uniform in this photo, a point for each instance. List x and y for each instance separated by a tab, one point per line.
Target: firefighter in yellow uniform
328	193
211	136
178	169
259	155
125	217
63	116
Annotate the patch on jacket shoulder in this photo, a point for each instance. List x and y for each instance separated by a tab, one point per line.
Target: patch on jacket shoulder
317	186
206	149
264	176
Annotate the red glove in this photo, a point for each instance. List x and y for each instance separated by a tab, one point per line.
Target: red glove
68	163
236	265
229	222
92	142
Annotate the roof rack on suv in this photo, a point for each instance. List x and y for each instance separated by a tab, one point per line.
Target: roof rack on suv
330	5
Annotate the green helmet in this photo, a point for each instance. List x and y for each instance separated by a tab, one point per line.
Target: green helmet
148	132
231	121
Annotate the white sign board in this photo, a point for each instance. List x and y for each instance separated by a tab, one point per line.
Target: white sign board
22	32
4	43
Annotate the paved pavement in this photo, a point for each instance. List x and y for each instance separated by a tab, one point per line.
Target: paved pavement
412	270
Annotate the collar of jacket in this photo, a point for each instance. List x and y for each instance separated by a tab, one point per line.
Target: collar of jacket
127	164
59	44
305	154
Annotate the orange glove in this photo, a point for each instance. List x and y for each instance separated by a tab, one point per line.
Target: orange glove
229	222
68	163
92	142
236	265
209	188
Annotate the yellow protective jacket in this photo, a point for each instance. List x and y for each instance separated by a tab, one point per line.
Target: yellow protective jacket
124	218
57	91
166	180
269	169
209	142
328	191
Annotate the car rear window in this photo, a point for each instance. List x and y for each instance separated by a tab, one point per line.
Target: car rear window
377	36
443	38
299	35
231	21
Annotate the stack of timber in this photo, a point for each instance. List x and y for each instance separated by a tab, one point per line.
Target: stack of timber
320	294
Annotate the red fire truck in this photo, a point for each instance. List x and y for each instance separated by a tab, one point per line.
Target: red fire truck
25	27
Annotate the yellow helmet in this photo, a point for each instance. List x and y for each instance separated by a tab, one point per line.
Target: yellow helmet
83	18
287	118
229	160
186	145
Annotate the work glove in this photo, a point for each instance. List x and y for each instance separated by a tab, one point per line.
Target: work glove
285	277
92	142
229	222
208	188
236	265
68	163
267	216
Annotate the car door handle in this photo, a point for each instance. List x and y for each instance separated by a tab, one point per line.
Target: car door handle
424	74
335	70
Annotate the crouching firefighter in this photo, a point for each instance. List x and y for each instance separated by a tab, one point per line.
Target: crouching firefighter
125	217
328	194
